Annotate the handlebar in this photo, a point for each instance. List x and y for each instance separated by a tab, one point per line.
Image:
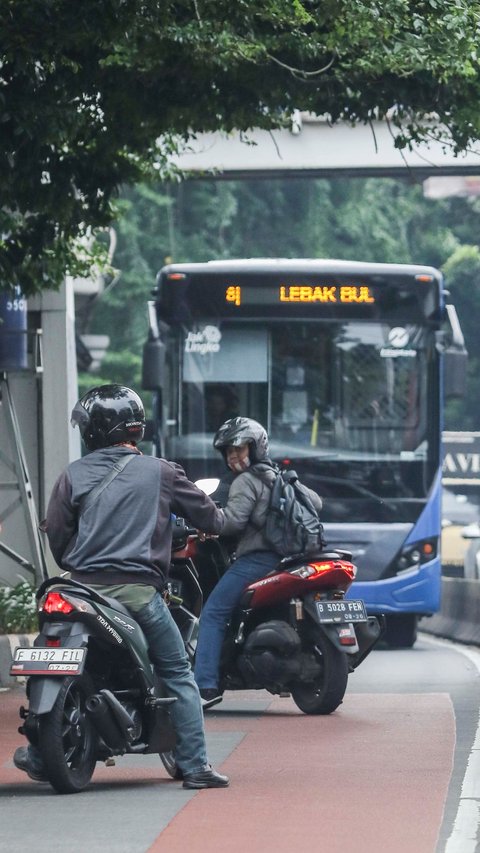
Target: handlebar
181	529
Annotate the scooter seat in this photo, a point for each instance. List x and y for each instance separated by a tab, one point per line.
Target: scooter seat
335	555
317	555
117	605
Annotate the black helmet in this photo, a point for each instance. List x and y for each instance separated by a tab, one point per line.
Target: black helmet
238	431
109	414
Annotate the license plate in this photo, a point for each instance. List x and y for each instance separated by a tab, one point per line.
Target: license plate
341	611
40	661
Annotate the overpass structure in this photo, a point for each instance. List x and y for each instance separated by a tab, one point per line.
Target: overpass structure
312	147
43	397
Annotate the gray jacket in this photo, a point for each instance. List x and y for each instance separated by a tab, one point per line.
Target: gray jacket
247	507
125	536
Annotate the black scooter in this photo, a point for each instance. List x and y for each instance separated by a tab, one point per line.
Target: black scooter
92	691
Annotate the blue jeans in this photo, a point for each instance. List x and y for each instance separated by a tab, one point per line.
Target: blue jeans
168	655
218	609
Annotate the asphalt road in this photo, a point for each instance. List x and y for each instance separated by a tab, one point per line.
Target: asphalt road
396	769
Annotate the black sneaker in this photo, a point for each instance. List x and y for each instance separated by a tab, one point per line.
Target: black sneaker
205	778
25	759
210	696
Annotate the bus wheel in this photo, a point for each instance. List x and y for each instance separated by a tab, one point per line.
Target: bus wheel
401	631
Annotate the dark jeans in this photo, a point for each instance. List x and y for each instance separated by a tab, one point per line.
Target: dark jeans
218	609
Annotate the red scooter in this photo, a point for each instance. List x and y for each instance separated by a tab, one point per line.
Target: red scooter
293	632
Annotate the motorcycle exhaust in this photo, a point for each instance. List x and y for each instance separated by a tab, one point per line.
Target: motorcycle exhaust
112	722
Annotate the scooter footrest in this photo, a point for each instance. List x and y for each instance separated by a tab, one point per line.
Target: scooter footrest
161	703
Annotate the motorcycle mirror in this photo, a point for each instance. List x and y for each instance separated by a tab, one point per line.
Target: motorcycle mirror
208	485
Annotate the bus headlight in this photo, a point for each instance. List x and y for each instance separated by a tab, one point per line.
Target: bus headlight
417	554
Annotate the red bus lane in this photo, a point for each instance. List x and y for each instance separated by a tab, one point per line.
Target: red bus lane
371	777
393	770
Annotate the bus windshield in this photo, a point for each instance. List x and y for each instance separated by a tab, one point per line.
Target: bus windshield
348	404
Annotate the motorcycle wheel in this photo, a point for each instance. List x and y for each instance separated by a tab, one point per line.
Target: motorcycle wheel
67	739
171	766
326	693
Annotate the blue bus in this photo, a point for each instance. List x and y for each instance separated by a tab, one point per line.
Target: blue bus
346	365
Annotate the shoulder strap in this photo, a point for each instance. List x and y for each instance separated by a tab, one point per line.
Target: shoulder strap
92	496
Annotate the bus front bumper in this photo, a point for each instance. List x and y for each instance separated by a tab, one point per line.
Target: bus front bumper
415	591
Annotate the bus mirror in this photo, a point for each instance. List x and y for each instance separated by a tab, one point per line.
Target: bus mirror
454	356
454	372
153	365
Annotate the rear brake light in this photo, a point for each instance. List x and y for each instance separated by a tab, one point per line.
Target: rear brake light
333	566
322	567
312	570
56	603
53	642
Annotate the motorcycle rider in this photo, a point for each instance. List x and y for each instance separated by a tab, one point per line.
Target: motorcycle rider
243	443
122	546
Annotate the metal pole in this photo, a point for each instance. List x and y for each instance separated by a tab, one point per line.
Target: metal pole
23	480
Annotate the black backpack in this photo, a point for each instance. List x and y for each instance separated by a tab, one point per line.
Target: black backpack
292	525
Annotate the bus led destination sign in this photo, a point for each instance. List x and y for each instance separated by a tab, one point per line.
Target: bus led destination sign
300	293
335	293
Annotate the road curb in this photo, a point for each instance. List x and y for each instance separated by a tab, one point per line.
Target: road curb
8	643
458	618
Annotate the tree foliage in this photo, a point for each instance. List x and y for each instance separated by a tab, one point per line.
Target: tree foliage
372	219
87	89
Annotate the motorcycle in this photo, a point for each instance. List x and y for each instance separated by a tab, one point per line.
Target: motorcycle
94	695
92	691
293	632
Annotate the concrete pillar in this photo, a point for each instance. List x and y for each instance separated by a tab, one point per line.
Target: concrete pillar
61	444
43	402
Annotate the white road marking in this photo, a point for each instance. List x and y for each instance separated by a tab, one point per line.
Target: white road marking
463	838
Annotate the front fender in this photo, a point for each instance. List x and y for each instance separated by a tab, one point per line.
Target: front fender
42	693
